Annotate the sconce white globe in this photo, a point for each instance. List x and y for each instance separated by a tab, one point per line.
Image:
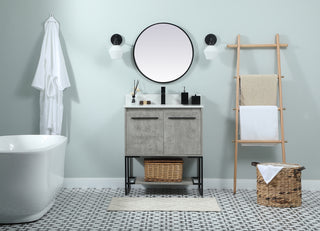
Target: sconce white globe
210	52
115	52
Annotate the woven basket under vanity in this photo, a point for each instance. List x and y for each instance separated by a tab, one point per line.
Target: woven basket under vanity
163	170
284	190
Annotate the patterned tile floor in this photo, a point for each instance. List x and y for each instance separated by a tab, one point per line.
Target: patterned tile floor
86	209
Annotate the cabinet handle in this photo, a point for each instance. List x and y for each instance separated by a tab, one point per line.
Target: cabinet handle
144	118
181	118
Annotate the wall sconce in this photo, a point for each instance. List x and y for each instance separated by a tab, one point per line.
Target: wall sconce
211	51
116	50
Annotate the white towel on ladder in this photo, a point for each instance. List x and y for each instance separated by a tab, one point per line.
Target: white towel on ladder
51	78
259	123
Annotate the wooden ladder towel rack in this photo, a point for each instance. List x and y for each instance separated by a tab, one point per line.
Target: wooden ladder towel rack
277	45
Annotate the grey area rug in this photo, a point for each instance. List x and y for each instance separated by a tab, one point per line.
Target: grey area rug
206	204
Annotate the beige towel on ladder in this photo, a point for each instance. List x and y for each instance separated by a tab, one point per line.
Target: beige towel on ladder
258	89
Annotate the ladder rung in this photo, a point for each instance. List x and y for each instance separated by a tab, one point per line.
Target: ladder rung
236	77
259	141
252	105
256	45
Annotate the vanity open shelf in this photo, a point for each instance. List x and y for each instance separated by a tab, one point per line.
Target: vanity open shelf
185	181
130	179
163	131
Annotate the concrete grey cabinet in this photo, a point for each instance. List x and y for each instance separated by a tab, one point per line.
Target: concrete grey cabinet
144	132
163	132
182	132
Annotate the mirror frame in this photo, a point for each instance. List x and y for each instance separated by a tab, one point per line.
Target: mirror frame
150	77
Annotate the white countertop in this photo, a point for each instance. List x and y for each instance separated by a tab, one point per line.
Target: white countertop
163	106
172	101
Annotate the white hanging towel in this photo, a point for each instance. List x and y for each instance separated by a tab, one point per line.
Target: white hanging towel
259	123
51	78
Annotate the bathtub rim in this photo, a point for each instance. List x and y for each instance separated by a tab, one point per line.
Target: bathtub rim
34	150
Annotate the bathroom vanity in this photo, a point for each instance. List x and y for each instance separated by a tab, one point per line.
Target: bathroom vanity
162	131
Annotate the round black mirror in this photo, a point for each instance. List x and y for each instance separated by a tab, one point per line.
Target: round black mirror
163	52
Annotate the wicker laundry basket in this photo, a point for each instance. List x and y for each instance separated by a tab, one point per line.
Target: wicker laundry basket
163	170
284	190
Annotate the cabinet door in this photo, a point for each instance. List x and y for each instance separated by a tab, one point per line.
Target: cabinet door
144	134
182	132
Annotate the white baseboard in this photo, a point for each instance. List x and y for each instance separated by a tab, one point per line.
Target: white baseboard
313	185
93	182
228	183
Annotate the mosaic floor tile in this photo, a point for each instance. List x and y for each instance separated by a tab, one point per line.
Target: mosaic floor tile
86	209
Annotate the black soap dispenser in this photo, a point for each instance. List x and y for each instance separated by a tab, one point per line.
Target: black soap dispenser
184	97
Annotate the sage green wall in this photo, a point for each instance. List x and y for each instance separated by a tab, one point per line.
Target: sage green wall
94	114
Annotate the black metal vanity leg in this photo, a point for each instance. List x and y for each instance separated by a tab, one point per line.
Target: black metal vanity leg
201	176
129	173
126	177
198	175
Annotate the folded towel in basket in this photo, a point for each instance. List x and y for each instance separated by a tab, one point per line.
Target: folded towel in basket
268	172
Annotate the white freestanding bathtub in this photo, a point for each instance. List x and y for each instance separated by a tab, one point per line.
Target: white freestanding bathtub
31	175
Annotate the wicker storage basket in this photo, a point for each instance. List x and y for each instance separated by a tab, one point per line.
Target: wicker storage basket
163	170
284	190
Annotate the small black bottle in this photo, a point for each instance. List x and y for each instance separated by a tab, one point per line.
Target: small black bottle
163	95
184	97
